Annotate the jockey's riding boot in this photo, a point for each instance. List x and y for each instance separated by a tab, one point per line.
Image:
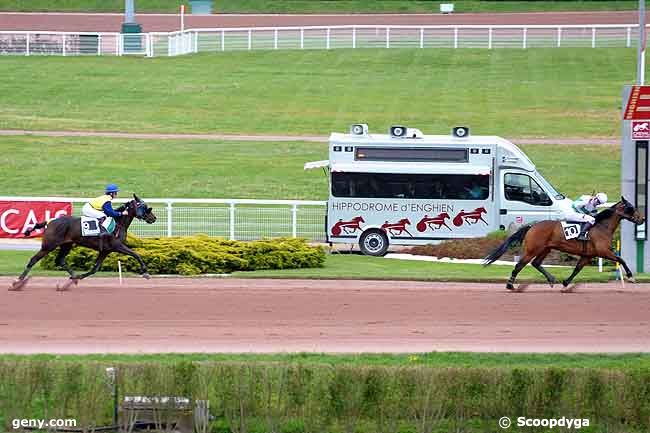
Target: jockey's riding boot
583	232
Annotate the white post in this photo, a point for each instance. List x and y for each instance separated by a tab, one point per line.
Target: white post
250	39
354	37
232	221
27	44
387	37
455	37
640	66
525	36
593	37
169	219
490	38
275	39
63	40
99	44
119	270
600	264
422	37
196	42
223	40
302	39
328	38
294	220
628	41
559	37
147	39
117	45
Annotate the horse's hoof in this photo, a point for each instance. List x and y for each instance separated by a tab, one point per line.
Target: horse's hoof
146	276
19	284
66	285
569	289
509	286
630	280
522	287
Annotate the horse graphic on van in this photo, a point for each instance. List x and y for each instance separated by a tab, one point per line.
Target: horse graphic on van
396	229
470	218
348	227
433	223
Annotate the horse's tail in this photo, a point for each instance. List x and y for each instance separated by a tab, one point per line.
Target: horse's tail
40	225
517	236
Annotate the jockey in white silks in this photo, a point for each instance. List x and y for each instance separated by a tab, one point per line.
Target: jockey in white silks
584	209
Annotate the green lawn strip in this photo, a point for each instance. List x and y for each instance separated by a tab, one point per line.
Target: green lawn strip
319	6
513	93
436	359
352	266
252	170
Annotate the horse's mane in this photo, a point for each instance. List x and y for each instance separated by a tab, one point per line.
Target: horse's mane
607	213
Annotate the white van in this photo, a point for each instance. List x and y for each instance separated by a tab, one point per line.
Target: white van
406	188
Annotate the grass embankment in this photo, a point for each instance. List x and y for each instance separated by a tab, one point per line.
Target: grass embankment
318	6
511	93
215	169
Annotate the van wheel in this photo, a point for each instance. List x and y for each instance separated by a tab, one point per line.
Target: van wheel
373	243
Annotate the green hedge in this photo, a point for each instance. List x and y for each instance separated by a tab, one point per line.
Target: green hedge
193	255
297	397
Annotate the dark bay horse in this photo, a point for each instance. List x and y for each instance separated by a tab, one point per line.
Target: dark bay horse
542	237
65	233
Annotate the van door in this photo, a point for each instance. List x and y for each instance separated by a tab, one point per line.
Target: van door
523	200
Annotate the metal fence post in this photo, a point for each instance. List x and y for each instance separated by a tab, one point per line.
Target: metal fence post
196	42
629	37
223	40
354	37
422	37
99	44
169	219
250	39
490	38
328	38
232	221
455	37
559	37
63	40
525	36
294	220
593	37
302	39
27	44
387	37
275	39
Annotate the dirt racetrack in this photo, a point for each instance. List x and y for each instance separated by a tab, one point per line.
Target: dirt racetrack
245	315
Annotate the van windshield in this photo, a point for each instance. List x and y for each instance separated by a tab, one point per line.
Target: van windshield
550	188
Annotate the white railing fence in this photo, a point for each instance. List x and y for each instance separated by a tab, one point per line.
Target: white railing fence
331	37
236	219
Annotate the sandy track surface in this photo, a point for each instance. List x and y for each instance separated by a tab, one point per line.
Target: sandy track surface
234	315
168	22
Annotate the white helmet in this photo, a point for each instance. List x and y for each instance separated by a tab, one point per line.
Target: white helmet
601	197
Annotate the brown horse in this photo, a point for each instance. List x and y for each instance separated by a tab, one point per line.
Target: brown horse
65	233
540	238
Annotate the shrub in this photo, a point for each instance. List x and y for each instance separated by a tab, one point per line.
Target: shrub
193	255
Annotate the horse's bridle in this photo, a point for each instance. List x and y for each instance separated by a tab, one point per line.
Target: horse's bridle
628	206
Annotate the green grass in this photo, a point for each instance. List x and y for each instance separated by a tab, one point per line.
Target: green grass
434	359
319	6
214	169
512	93
352	266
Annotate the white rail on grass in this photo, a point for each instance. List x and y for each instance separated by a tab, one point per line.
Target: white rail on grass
317	37
236	219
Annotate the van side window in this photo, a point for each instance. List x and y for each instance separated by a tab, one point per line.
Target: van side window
521	187
411	186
